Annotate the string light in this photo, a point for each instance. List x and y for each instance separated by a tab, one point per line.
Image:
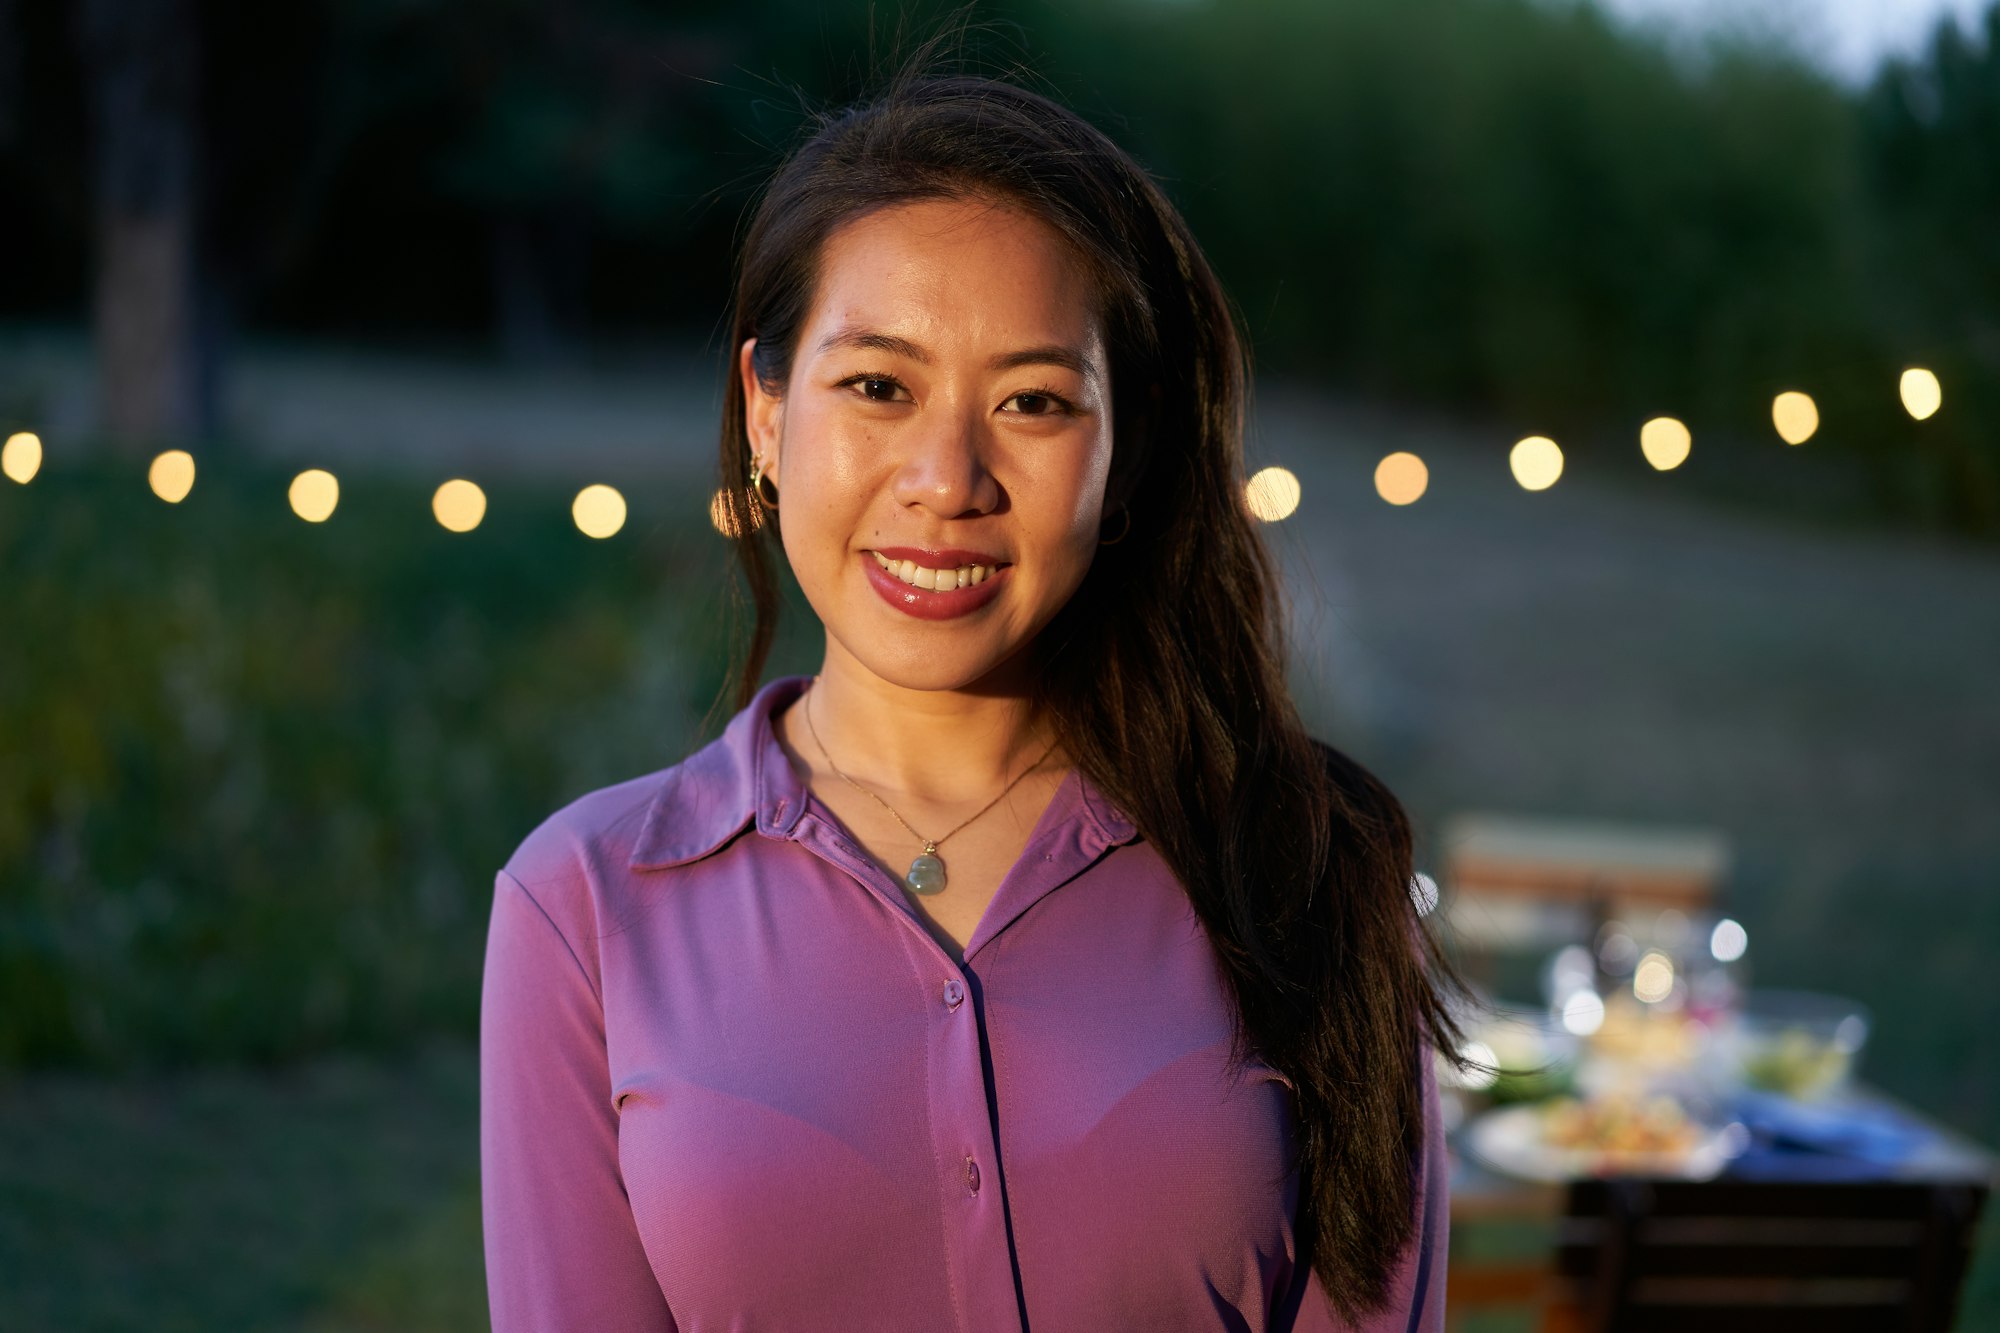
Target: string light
1665	441
599	511
1273	494
1536	462
1922	394
21	456
313	494
172	475
1795	415
1402	478
459	505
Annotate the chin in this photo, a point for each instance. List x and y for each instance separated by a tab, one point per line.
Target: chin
932	666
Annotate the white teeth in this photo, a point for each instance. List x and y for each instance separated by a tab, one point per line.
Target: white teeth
938	580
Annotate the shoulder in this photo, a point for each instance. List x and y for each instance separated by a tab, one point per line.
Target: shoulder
583	861
596	830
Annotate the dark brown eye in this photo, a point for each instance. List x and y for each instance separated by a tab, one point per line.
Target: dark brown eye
880	390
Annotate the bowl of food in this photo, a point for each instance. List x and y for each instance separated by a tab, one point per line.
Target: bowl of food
1799	1044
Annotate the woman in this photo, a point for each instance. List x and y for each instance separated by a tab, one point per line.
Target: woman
1029	966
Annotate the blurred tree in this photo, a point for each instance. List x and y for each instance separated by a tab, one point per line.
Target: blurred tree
141	61
1931	150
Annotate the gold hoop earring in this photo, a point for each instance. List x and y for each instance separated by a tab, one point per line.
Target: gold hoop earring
759	482
1123	532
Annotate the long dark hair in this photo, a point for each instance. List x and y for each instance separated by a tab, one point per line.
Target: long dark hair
1163	676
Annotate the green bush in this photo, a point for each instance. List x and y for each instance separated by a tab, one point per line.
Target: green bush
256	774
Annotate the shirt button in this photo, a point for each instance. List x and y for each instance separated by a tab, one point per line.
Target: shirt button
953	993
972	1175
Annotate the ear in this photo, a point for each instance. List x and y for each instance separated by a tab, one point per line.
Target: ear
763	412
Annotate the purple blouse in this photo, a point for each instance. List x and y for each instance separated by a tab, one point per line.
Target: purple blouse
728	1080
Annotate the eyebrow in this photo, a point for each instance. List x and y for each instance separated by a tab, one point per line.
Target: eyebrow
1048	354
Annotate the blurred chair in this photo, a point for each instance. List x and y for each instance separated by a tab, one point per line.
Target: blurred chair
1517	884
1764	1256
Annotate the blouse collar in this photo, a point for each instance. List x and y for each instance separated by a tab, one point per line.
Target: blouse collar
743	776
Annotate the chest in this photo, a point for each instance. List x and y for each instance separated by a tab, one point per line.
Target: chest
795	1061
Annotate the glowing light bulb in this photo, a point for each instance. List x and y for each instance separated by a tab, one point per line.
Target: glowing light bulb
599	511
1536	462
1727	941
21	456
1653	979
1795	415
1922	394
1665	442
1583	1013
314	494
172	475
1273	494
1402	478
459	505
723	521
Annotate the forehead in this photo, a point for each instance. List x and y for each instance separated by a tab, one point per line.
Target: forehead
971	273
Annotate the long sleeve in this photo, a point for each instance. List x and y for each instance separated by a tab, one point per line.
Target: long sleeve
1433	1240
562	1249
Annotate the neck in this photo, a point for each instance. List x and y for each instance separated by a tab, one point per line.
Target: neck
941	746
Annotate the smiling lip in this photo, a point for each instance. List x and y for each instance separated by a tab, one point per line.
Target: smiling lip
925	603
950	557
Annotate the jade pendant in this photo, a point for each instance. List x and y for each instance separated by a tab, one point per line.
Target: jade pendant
926	874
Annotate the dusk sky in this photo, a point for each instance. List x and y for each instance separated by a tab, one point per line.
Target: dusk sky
1847	37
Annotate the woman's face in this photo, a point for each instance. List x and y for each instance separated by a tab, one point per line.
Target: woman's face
949	417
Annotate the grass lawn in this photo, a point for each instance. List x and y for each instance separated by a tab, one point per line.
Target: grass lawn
342	1193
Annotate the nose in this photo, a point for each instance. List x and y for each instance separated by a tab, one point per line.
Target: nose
945	469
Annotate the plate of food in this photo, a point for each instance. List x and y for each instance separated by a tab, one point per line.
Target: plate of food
1612	1134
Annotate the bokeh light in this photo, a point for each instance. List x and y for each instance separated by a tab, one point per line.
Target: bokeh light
1795	415
1480	1054
1583	1012
172	475
1653	979
1402	478
1922	394
1536	461
599	511
1665	441
724	522
459	505
1273	494
314	494
21	456
1727	941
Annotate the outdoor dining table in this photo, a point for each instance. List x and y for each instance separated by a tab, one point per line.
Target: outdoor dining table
1921	1163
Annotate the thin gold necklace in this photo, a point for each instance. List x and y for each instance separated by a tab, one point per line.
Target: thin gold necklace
926	873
